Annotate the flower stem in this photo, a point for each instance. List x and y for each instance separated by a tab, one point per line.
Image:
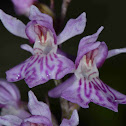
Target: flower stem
65	5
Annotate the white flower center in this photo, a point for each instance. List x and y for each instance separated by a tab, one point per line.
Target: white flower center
87	66
44	41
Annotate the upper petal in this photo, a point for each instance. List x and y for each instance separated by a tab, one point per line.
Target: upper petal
38	108
13	25
73	121
30	29
72	28
88	44
39	68
101	54
87	48
41	19
89	39
35	14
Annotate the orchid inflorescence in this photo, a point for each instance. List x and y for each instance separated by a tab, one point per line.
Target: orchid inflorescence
48	62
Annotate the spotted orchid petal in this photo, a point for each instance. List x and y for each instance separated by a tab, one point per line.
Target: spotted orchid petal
102	53
41	21
10	120
23	6
9	93
38	108
89	39
84	91
13	25
38	69
73	121
40	112
114	52
35	14
72	28
89	88
88	44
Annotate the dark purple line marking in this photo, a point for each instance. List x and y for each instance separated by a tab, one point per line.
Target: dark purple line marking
91	74
78	90
97	92
85	89
49	67
41	64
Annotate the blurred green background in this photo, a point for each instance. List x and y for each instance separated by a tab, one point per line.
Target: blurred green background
110	14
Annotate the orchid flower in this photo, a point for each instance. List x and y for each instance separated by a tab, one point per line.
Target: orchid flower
46	63
10	102
85	85
23	6
41	115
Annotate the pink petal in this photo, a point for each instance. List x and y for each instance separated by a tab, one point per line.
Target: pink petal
72	28
41	19
84	91
38	69
114	52
73	121
13	25
88	44
102	54
38	108
35	14
87	48
90	39
30	29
